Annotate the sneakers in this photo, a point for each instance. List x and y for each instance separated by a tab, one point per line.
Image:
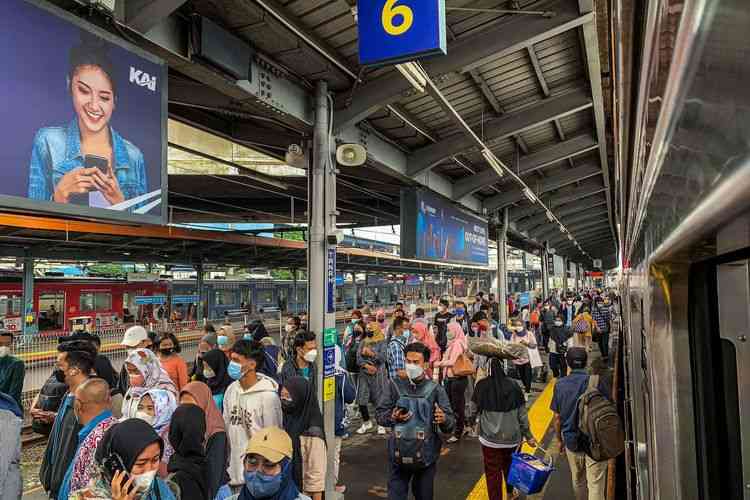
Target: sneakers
452	439
526	396
341	489
366	426
381	430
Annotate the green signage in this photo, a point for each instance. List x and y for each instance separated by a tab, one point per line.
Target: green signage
329	337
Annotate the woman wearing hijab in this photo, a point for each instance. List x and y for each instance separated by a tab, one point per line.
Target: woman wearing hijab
455	386
187	466
215	440
503	425
422	334
156	408
372	374
380	319
304	424
144	373
138	448
215	375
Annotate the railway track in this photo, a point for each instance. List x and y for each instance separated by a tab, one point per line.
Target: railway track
30	438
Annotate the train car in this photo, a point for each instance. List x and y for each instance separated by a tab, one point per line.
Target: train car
685	232
60	304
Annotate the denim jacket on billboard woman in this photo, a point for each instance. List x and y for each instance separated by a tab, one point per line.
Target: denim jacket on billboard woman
57	151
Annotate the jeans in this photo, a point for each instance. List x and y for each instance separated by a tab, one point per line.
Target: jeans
558	364
496	466
524	373
422	483
589	473
604	344
456	389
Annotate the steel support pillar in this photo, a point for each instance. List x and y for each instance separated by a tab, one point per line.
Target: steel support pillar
200	291
294	291
29	327
321	267
502	268
565	276
545	273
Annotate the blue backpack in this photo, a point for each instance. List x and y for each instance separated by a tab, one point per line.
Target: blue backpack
415	442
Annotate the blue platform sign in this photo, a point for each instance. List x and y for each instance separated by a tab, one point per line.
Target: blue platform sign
143	300
329	361
185	299
392	31
331	280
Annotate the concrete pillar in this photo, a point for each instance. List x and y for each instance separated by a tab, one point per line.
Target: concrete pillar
322	269
30	327
502	268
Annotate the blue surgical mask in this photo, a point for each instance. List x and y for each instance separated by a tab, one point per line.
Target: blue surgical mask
262	486
247	336
460	311
355	321
222	340
407	334
234	370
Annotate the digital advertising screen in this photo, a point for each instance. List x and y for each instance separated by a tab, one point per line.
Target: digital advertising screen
432	228
84	118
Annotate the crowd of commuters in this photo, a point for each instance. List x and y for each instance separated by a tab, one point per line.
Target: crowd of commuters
243	421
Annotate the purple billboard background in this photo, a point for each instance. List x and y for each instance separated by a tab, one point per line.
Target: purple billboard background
34	55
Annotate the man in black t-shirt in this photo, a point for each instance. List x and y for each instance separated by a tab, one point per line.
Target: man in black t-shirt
442	318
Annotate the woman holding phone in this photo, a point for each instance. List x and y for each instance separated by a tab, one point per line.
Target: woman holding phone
87	162
128	459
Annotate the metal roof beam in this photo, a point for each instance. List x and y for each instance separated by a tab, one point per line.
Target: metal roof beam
541	218
505	126
463	55
528	164
570	223
549	184
582	231
143	15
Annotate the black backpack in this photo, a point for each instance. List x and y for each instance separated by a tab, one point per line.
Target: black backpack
50	398
351	357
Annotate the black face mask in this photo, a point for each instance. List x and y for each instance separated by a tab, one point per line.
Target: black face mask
59	375
166	352
287	406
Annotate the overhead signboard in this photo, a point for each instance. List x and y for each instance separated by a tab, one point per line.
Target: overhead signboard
185	299
392	31
144	300
86	118
433	228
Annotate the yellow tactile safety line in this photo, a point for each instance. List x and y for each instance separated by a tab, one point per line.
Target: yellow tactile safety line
540	417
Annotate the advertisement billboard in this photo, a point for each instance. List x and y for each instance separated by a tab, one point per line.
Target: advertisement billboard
85	116
432	228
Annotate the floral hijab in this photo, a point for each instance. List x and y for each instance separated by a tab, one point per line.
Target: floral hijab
154	375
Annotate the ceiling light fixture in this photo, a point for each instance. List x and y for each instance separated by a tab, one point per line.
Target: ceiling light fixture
550	217
490	157
529	194
414	75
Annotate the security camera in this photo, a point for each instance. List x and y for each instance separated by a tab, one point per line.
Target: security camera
351	155
295	156
335	238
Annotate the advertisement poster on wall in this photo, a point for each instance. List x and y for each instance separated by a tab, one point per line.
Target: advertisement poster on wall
84	129
432	228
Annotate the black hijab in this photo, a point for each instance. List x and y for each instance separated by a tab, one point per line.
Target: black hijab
257	329
128	439
497	392
218	362
188	464
303	418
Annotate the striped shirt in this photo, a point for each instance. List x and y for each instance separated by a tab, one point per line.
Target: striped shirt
602	317
396	356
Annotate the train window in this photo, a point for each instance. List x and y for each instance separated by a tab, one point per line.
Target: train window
10	305
224	297
96	301
265	297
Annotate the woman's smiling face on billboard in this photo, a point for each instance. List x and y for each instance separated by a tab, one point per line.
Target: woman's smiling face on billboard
93	97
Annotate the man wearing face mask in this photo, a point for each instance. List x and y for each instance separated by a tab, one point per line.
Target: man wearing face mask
75	360
251	403
460	315
414	405
396	348
93	409
558	346
292	327
12	371
303	364
568	311
268	469
442	318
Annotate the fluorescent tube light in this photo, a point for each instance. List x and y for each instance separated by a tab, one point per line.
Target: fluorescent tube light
490	157
550	217
414	75
529	194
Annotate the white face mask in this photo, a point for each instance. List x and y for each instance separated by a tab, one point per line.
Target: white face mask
311	356
4	351
208	372
518	329
558	323
149	419
289	328
414	371
143	482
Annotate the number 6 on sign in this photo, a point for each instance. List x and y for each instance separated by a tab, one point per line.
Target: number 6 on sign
389	14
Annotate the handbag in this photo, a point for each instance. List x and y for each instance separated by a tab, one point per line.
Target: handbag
463	366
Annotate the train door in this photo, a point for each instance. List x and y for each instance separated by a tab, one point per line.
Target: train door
51	310
10	311
282	297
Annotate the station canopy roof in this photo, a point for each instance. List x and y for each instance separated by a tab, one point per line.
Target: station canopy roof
534	88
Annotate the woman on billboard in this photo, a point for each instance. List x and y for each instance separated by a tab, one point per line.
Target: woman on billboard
87	162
